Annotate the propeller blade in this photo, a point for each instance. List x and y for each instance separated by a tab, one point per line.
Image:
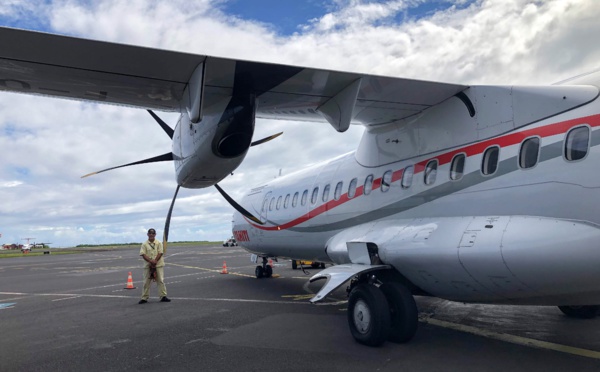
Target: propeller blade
266	139
164	125
238	207
168	222
164	157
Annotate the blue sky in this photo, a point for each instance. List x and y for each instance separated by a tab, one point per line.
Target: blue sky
289	17
47	144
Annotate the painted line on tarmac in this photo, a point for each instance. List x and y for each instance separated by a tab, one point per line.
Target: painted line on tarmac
524	341
66	298
73	295
211	270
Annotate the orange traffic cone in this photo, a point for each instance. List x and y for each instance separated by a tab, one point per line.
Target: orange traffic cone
224	271
129	282
270	262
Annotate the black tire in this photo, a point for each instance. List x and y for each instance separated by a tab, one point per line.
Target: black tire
322	265
404	315
268	272
294	265
580	312
368	315
259	272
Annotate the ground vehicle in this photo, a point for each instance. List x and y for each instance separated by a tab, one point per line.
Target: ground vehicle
231	242
312	264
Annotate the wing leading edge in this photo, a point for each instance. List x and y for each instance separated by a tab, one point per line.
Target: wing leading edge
68	67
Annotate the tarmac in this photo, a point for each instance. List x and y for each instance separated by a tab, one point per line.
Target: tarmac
73	313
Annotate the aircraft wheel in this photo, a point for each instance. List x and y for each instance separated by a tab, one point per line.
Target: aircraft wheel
368	315
268	271
259	271
403	312
294	265
581	312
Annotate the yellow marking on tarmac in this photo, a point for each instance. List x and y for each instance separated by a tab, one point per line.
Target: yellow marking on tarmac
299	297
210	270
513	339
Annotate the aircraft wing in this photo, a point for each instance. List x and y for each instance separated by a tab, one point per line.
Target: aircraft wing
55	65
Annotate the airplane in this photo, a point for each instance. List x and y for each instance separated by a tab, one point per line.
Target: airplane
29	246
470	193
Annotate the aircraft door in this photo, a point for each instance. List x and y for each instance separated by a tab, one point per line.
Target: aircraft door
264	208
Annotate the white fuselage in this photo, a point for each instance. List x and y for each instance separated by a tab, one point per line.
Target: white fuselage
519	224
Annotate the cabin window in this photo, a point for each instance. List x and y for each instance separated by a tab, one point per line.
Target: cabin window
304	197
286	202
430	172
315	194
295	200
279	202
529	154
386	181
407	177
352	188
338	190
489	163
457	167
368	184
577	143
272	203
326	193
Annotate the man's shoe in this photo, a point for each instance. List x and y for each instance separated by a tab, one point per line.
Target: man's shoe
142	302
165	299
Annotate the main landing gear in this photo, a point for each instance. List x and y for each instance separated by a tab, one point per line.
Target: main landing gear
379	312
264	270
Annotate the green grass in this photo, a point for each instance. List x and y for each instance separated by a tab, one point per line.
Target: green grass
89	248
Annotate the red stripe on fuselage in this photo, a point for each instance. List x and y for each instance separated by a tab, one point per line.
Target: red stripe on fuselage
471	150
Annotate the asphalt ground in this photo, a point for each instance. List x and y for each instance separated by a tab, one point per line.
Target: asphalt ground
72	313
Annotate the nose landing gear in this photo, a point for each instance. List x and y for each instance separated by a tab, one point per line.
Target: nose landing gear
264	270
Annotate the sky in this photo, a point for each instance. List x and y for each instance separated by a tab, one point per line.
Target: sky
48	144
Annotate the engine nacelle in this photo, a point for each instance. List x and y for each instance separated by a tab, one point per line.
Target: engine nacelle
210	150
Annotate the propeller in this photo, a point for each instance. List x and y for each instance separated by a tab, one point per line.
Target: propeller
164	157
266	139
168	221
169	157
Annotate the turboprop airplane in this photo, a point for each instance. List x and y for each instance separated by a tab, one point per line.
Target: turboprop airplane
480	194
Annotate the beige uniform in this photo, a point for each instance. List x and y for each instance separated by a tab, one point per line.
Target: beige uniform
151	250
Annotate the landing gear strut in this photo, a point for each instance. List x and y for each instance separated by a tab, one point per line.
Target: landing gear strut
264	270
379	312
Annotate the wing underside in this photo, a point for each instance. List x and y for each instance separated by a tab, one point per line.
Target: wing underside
61	66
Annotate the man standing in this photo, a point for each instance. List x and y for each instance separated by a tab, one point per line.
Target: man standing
152	252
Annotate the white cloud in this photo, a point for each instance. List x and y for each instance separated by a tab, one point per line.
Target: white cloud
48	144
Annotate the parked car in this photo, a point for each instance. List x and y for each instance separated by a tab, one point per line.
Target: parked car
230	243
